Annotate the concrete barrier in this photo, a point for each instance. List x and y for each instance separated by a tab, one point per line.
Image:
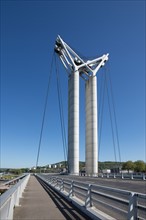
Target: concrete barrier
10	198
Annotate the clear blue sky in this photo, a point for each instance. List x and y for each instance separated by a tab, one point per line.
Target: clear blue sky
28	33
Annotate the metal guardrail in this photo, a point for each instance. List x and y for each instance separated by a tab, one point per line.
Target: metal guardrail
10	198
96	200
132	176
13	181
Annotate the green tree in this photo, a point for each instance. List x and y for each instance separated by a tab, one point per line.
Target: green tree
129	165
140	166
16	171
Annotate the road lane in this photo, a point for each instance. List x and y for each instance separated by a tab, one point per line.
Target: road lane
138	186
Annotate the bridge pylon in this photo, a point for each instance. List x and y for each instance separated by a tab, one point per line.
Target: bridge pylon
76	67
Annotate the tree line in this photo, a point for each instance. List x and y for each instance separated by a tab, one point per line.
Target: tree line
137	166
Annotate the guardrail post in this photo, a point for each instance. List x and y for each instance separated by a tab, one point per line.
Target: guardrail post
11	207
132	209
56	184
49	180
62	185
17	196
88	202
52	181
71	189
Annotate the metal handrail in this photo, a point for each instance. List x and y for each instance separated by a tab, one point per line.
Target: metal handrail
92	192
13	180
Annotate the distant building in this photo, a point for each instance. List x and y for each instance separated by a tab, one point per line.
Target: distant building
106	171
33	168
126	171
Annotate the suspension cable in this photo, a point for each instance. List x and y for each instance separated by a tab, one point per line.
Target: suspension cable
44	112
113	137
100	96
115	118
61	113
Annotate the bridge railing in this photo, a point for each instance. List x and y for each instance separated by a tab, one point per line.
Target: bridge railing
13	181
10	198
100	201
132	176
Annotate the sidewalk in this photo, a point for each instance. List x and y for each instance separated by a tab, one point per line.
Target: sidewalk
36	204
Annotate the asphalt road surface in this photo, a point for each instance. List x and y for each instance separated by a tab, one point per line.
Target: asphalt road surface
138	186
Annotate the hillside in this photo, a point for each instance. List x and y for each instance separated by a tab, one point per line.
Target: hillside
101	165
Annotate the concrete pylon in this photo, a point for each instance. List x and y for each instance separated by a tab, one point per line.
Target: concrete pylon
76	67
91	127
73	123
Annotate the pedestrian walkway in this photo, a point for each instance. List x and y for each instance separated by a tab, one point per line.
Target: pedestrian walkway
36	204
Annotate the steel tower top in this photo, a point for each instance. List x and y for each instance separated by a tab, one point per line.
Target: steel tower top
73	62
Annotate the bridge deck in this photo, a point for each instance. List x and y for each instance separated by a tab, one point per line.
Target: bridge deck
41	205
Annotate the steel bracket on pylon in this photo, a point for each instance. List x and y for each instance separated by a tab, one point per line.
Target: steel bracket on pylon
73	62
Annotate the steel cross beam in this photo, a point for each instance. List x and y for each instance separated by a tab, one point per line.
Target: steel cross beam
73	62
